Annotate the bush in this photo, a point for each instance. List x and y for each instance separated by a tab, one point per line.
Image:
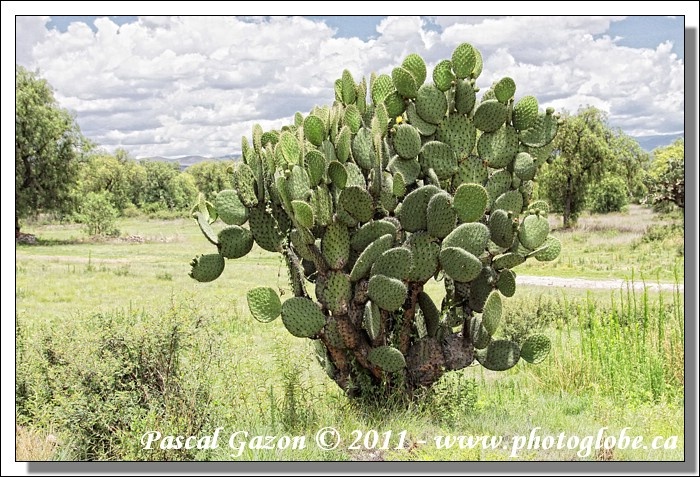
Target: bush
98	214
104	380
608	195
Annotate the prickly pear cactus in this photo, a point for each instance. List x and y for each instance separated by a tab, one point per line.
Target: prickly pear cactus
400	181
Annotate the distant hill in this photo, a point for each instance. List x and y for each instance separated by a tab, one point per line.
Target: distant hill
649	143
186	161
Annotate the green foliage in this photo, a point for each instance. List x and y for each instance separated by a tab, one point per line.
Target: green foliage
210	177
48	146
128	376
166	188
118	175
666	177
610	194
98	214
402	173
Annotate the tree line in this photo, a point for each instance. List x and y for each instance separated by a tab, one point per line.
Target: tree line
589	166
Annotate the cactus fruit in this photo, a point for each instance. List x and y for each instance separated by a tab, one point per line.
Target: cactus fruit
405	178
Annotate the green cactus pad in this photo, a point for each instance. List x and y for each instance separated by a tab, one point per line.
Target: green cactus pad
525	113
480	289
338	174
298	184
369	255
506	282
459	133
441	217
493	310
389	359
414	209
550	250
335	245
472	237
303	213
302	317
431	314
542	131
396	262
425	253
335	339
470	202
504	89
540	207
315	167
498	148
398	186
290	147
404	82
395	104
337	293
206	228
322	204
244	182
524	166
343	143
510	201
347	88
372	320
409	169
235	242
370	232
362	149
407	143
357	202
500	355
471	170
423	127
439	157
501	227
443	75
533	231
415	64
314	130
535	349
388	293
355	176
431	103
265	229
206	268
498	183
230	208
301	243
508	260
459	265
264	304
463	60
382	87
490	115
465	96
352	118
480	336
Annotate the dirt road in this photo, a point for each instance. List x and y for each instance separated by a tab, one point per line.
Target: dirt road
592	284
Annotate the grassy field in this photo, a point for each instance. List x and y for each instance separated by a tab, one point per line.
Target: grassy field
115	340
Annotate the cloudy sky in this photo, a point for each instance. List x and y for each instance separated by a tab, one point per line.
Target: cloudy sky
174	86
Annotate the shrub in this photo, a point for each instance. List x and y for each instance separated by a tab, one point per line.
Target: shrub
98	214
608	195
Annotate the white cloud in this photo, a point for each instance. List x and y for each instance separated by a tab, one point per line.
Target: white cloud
195	85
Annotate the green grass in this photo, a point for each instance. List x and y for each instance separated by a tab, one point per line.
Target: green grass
616	358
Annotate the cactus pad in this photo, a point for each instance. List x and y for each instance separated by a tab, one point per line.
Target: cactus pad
388	293
230	208
302	317
443	75
533	231
440	157
501	227
493	310
335	245
441	217
372	320
369	255
459	264
264	304
500	355
470	202
206	268
490	115
407	143
463	60
431	103
550	250
357	202
498	148
525	113
389	359
472	237
535	349
396	262
235	242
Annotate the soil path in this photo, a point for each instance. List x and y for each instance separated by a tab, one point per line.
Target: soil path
606	284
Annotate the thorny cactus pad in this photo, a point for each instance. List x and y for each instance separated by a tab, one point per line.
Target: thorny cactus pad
405	178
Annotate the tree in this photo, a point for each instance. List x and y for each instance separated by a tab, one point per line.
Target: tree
165	187
210	177
48	146
629	162
666	177
367	203
582	154
117	175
